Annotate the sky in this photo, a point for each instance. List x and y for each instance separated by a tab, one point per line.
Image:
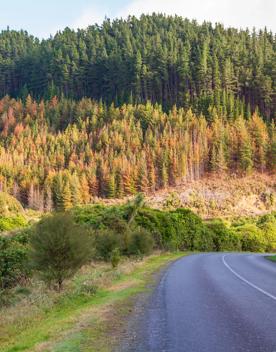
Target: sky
44	18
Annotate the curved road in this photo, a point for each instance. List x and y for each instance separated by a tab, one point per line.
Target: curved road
211	303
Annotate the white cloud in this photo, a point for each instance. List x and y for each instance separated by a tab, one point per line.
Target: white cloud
237	13
88	17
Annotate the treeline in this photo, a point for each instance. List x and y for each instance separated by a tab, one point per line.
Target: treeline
59	153
168	60
60	244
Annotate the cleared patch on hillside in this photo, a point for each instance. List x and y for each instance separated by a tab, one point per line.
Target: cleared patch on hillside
222	195
216	195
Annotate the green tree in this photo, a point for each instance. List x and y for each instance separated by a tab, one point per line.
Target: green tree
59	248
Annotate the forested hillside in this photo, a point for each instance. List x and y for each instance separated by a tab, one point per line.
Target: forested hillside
123	141
168	60
59	153
132	106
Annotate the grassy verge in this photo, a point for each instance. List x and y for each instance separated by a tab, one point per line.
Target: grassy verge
272	258
88	316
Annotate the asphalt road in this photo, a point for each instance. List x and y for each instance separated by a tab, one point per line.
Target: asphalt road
211	303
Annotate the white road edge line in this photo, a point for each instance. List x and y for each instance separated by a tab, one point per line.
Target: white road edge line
246	281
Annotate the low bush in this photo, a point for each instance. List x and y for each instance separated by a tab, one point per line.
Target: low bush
252	238
106	241
140	242
191	233
224	238
267	224
160	225
12	223
99	217
13	262
115	257
9	206
178	230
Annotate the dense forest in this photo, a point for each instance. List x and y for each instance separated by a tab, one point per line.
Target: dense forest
59	153
132	106
167	60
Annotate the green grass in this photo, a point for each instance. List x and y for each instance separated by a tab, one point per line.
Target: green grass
81	322
272	258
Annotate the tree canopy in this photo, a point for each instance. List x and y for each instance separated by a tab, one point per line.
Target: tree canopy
60	153
164	59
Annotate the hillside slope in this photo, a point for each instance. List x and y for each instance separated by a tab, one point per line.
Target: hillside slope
165	59
217	196
222	195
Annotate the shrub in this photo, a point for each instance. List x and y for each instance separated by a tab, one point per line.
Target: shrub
192	233
172	201
9	206
105	242
99	217
12	223
224	238
13	262
267	224
251	237
179	229
160	225
59	248
115	257
140	242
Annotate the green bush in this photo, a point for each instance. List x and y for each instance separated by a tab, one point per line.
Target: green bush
140	242
224	238
252	238
13	262
12	223
115	257
59	248
192	234
267	224
106	241
137	241
160	225
99	216
179	229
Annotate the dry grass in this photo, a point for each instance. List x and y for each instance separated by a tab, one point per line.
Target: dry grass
217	195
224	195
44	320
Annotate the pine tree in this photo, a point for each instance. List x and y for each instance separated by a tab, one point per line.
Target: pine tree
143	182
120	185
245	158
75	188
151	177
84	189
58	192
111	186
164	176
66	196
259	137
218	162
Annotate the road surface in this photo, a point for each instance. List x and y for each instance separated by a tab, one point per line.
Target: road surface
210	302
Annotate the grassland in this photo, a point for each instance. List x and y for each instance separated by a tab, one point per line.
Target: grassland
87	316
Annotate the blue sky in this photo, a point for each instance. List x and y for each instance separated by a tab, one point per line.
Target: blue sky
42	18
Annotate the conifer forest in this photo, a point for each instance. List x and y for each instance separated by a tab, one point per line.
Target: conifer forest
133	106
